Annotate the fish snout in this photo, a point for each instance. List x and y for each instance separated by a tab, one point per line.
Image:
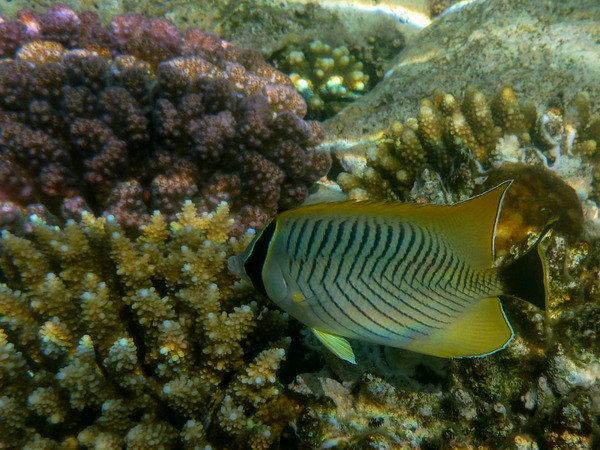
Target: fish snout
236	267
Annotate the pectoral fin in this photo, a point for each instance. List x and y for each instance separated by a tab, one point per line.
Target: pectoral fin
338	345
480	331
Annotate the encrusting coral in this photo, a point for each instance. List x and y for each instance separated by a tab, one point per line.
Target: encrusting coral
327	77
107	342
587	143
136	117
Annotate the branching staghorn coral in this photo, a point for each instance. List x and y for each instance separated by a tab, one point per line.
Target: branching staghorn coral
106	342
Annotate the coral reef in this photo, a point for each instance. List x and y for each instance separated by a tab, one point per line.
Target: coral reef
136	117
587	143
459	143
536	197
539	392
328	78
109	341
451	138
106	342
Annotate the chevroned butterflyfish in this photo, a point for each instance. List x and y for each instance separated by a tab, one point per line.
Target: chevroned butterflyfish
417	277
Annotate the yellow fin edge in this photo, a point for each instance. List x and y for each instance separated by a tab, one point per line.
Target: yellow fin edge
483	330
337	344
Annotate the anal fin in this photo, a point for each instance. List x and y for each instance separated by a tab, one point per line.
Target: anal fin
337	344
482	330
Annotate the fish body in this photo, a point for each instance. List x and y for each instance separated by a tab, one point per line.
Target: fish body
403	275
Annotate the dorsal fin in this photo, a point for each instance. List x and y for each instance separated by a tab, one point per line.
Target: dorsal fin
469	225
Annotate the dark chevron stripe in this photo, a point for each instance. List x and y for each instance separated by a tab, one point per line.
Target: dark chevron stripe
385	250
361	249
358	324
316	260
454	263
309	246
341	324
301	236
340	229
403	250
288	243
412	295
395	296
411	261
391	244
376	294
447	266
366	299
462	274
435	261
421	264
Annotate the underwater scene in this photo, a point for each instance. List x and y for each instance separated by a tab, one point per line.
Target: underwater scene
296	224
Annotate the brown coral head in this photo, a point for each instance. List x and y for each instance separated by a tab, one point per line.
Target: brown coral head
536	197
137	117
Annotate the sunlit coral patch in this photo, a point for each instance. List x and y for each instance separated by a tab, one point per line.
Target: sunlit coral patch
448	150
107	340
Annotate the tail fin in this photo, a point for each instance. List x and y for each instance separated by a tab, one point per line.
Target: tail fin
526	277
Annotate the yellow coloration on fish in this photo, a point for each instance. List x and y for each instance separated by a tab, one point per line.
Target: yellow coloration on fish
418	277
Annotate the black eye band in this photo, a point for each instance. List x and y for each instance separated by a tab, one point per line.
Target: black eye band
256	260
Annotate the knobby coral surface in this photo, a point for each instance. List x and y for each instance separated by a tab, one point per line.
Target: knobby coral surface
451	138
106	342
138	117
446	152
327	77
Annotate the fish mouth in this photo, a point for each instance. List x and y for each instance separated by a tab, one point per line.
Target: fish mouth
235	266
